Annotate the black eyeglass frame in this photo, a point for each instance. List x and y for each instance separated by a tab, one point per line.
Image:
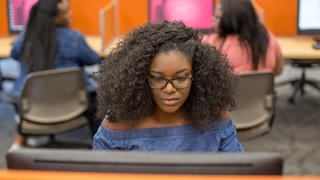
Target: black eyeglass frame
169	81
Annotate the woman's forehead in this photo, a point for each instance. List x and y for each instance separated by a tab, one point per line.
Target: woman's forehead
170	62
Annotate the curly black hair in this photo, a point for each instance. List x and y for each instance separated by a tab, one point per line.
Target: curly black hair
123	90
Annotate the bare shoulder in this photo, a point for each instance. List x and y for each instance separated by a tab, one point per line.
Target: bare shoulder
225	115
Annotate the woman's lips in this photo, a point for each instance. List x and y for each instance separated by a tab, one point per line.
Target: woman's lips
170	101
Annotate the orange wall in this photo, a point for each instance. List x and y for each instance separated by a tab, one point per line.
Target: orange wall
132	13
3	18
280	15
85	15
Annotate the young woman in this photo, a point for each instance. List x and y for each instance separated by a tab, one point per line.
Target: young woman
161	89
240	35
48	43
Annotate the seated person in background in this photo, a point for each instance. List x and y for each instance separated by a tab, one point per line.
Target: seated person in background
48	43
161	89
245	41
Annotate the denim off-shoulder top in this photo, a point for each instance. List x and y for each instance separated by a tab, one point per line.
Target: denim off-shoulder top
219	136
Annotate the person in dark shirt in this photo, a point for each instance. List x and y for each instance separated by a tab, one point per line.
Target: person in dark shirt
49	43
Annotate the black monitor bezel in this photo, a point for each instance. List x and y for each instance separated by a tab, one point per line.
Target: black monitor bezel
203	31
306	31
11	30
250	163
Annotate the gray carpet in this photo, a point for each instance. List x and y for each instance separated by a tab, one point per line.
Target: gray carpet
7	130
295	133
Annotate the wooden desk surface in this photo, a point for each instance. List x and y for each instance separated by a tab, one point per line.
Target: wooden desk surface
95	42
298	47
54	175
293	47
5	45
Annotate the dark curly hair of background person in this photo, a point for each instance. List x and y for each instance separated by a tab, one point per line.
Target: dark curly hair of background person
123	90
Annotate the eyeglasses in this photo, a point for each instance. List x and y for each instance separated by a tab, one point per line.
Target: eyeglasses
180	82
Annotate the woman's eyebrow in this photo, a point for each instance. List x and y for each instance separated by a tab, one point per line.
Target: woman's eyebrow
182	70
157	72
178	72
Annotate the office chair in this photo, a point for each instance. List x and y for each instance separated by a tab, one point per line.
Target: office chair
255	105
299	84
53	102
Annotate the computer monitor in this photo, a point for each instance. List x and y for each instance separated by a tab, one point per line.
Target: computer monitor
18	14
309	19
197	14
145	162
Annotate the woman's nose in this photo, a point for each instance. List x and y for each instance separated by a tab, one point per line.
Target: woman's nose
169	88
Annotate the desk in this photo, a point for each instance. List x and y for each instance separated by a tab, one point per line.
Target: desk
5	45
298	47
51	175
299	51
95	42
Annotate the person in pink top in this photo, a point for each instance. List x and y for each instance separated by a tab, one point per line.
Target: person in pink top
239	34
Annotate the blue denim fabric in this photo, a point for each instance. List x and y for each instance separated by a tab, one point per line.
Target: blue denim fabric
220	136
72	51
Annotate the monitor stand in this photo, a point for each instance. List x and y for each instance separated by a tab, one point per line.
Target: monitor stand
317	40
